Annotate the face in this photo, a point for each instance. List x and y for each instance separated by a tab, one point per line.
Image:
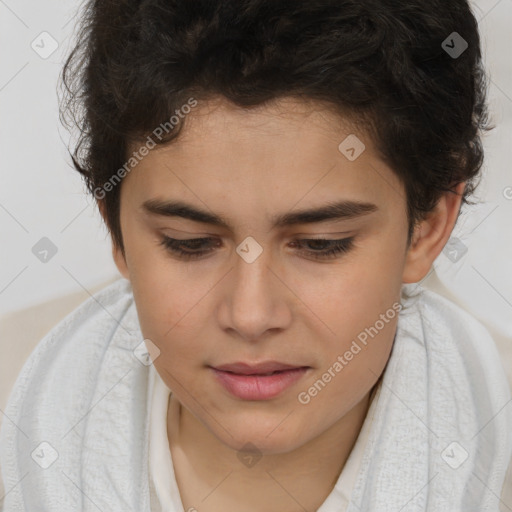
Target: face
258	282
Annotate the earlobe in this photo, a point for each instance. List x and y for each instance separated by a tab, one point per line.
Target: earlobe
419	255
431	235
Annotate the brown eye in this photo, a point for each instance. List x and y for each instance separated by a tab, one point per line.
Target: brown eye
187	249
323	248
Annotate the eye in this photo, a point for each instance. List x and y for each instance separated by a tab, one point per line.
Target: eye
325	248
194	247
187	249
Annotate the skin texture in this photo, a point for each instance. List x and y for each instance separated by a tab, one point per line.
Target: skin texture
286	306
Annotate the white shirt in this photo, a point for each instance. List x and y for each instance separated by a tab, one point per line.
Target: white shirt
165	495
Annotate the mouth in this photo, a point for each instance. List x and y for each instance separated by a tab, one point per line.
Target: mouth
258	382
263	368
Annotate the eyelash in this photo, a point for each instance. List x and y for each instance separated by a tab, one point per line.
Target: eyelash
338	247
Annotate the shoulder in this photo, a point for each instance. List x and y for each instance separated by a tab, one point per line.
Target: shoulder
79	339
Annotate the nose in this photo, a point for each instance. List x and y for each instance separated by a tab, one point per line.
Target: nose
255	299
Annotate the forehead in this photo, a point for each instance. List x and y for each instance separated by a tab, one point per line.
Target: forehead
288	118
270	157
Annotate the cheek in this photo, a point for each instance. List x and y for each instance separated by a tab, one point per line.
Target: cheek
351	367
350	296
161	288
358	306
164	313
171	313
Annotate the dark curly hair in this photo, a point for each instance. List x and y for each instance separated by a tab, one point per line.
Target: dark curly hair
380	63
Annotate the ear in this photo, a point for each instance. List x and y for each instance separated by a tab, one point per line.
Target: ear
431	234
117	254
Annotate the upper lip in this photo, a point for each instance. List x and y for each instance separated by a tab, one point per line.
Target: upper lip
250	369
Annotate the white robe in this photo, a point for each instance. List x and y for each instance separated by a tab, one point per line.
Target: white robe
76	430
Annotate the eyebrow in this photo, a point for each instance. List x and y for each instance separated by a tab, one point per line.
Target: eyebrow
342	210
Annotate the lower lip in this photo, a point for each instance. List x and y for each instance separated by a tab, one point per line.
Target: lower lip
258	387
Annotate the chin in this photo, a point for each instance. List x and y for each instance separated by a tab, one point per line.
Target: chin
261	439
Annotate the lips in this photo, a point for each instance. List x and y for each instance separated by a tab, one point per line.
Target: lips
258	381
263	368
262	385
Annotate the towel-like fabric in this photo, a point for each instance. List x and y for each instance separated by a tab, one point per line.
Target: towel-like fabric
75	434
